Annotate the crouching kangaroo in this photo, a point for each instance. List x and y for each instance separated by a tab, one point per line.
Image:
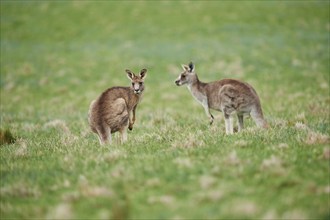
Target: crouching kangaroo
114	110
226	95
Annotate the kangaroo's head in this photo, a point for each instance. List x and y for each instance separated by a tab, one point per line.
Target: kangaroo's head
137	80
188	76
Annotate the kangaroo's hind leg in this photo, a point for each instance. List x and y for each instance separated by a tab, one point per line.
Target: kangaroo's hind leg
123	129
228	123
240	122
229	101
104	134
123	134
120	119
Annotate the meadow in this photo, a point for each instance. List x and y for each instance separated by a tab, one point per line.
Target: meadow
57	56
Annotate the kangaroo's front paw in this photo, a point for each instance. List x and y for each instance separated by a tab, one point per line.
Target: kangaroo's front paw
211	120
130	127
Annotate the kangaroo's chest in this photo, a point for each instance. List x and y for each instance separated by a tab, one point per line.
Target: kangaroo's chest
207	99
132	105
199	96
132	101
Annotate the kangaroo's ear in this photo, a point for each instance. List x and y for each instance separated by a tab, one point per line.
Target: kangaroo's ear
143	73
185	67
191	67
130	74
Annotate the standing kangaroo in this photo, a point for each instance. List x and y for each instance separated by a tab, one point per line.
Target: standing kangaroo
111	111
226	95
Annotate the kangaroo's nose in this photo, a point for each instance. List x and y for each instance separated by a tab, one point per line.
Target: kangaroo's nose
177	82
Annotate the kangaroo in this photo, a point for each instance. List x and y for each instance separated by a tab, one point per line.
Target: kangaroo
114	110
226	95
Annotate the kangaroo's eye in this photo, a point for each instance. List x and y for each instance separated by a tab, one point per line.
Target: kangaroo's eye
132	84
140	83
183	76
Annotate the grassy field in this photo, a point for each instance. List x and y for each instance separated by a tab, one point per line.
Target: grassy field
56	57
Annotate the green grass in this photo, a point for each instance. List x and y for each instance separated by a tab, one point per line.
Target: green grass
58	56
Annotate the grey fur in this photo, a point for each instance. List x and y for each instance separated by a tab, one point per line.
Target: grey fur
226	95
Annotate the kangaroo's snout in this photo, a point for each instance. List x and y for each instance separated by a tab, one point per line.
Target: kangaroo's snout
177	82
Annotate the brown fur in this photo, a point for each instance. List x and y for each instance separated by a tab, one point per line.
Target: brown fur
112	110
226	95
